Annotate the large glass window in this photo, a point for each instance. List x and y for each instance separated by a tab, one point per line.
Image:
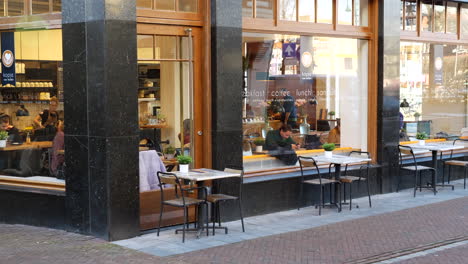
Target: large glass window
432	77
317	85
464	20
247	8
324	11
439	11
265	8
345	12
40	6
306	10
361	12
410	15
452	23
426	15
288	10
15	7
31	109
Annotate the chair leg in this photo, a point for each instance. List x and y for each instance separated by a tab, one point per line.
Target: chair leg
321	200
448	178
186	217
420	181
183	229
195	223
219	214
464	179
443	172
344	192
240	213
160	217
350	196
207	220
339	197
323	196
368	191
415	183
213	217
434	183
399	180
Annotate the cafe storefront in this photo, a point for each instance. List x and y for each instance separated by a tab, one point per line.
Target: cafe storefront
210	79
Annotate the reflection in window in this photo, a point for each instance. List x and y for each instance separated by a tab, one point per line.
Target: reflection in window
40	6
452	26
15	7
426	15
247	8
165	47
324	11
168	5
464	20
144	3
410	15
306	11
402	4
2	8
288	10
265	9
145	47
361	12
439	12
432	76
188	6
304	78
345	12
57	5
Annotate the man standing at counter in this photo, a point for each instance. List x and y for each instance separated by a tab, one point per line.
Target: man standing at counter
281	146
289	116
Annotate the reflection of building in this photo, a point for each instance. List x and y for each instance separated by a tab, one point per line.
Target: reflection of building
194	64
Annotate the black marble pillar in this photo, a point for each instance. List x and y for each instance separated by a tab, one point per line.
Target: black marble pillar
226	70
388	91
101	117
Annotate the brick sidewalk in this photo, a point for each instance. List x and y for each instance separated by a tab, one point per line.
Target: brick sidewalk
335	243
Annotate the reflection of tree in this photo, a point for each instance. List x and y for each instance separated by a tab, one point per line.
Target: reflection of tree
288	10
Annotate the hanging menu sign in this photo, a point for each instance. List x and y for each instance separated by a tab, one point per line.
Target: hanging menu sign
8	58
307	58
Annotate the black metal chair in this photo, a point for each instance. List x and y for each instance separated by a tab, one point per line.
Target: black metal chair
414	167
216	198
350	178
309	162
181	201
451	162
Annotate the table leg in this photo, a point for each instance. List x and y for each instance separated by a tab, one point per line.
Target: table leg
337	186
434	165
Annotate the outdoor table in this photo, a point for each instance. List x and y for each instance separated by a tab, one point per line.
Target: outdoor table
338	161
435	148
200	176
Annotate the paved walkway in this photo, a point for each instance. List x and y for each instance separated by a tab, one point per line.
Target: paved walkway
398	229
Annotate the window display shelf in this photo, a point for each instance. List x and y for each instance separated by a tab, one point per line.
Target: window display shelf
19	89
26	102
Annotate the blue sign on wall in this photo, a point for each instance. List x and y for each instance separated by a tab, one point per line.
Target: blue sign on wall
289	50
8	58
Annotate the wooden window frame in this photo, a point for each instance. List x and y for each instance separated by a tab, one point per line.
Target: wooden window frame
433	37
147	15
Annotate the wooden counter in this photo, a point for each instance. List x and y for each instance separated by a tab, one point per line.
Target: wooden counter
32	145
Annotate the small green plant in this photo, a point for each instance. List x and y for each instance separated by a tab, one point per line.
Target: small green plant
3	135
329	146
184	159
332	113
169	150
417	114
421	136
259	142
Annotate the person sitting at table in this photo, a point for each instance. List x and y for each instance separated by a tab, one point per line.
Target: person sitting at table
13	132
281	146
334	136
46	121
57	145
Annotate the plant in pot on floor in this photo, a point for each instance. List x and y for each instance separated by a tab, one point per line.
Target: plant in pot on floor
3	138
329	147
259	143
184	162
169	152
421	137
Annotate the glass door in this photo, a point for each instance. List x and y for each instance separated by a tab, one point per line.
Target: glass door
170	106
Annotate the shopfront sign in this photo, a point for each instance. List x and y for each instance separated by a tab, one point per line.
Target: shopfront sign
8	58
307	58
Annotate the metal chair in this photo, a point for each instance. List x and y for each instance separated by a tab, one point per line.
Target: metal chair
309	162
451	162
350	179
181	201
216	198
414	167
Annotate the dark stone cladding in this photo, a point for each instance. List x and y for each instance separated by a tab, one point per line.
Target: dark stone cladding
388	122
101	117
226	65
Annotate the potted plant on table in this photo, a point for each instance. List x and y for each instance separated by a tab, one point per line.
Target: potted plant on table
421	137
331	114
3	138
169	152
184	162
417	115
329	147
259	142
